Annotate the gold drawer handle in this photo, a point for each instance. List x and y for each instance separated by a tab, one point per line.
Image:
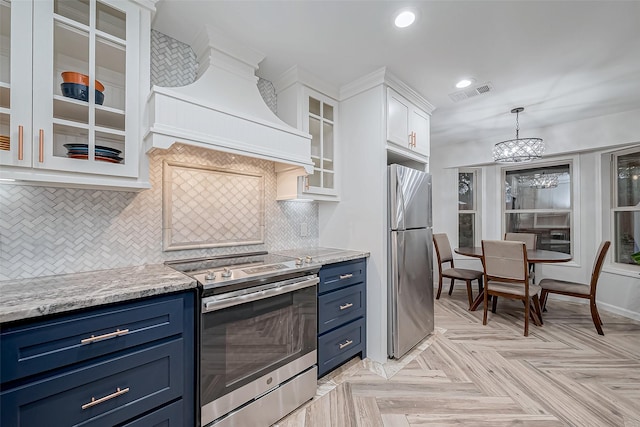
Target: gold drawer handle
345	344
20	142
347	305
346	276
41	146
93	338
95	401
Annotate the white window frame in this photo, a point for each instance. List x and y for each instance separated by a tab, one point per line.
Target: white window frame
477	223
613	208
574	200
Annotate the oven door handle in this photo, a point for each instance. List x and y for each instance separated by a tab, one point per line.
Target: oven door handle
255	296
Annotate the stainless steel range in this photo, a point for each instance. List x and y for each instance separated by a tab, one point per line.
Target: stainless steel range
257	336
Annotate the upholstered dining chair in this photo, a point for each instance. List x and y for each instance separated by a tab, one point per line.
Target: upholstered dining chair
529	239
444	254
579	290
506	273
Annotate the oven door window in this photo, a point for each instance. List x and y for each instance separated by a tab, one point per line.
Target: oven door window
246	341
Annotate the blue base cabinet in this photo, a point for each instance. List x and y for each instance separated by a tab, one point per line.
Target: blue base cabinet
341	314
125	364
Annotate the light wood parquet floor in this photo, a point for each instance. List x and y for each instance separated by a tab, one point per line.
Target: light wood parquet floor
563	374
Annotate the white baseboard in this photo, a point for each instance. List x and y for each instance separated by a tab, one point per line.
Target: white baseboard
601	306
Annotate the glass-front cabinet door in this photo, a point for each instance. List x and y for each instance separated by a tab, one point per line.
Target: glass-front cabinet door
321	126
15	82
82	95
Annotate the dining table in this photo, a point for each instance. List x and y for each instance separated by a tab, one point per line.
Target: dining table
534	257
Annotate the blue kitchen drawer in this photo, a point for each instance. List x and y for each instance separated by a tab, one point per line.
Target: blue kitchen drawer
53	343
340	345
342	306
153	377
167	416
333	277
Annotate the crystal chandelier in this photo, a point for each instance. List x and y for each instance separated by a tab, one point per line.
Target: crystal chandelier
518	149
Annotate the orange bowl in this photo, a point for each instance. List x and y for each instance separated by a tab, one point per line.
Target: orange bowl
73	77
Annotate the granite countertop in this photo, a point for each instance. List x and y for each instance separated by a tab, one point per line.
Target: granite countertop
34	297
40	296
324	255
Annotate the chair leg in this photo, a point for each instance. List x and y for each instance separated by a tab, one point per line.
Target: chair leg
494	304
536	305
469	293
480	285
451	287
596	316
543	299
439	287
486	306
526	317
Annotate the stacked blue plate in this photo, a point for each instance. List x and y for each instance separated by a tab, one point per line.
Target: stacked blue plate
103	154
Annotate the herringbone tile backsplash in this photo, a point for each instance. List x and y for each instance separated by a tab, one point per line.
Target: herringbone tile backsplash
45	231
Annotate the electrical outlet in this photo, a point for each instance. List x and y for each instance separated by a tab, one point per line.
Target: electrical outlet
304	229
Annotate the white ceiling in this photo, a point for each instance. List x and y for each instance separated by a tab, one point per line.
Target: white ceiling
561	60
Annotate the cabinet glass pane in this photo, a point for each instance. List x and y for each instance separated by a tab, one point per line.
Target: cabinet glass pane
71	53
5	47
327	145
5	97
327	112
314	106
110	71
71	109
111	21
314	180
76	10
63	134
4	131
627	237
314	130
115	142
628	176
327	179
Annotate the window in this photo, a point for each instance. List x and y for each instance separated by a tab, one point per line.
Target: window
539	200
626	207
468	217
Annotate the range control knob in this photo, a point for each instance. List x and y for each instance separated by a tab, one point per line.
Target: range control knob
299	261
226	272
308	259
211	275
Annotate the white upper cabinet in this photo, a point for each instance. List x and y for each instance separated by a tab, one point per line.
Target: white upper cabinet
407	124
315	113
79	131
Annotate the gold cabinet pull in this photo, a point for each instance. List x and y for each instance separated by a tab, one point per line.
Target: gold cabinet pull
95	401
346	276
306	183
41	146
20	142
347	305
345	344
93	338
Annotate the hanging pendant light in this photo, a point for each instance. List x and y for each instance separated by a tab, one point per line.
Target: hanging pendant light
518	149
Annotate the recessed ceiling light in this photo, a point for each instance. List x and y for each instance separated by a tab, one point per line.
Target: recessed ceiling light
464	83
405	18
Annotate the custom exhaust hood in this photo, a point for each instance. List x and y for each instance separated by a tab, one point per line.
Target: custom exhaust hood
223	109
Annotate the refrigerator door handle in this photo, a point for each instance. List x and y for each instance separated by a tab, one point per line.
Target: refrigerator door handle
401	260
401	205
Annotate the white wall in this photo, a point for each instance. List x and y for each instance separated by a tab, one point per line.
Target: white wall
583	142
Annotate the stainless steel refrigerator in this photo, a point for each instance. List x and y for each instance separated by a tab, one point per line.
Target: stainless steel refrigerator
410	281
